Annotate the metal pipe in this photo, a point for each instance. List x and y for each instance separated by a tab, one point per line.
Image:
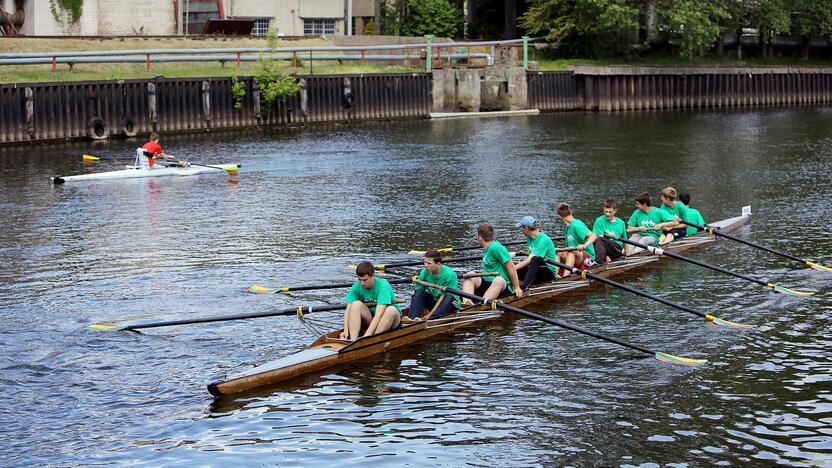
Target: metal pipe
252	50
219	58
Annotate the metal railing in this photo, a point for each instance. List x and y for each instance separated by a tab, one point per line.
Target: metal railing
238	55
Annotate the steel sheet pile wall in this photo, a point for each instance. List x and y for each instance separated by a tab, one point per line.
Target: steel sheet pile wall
639	88
553	91
105	109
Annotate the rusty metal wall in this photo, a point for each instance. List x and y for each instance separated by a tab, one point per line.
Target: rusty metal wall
553	91
60	111
697	89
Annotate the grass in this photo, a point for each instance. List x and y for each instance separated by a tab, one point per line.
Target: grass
673	61
117	71
121	71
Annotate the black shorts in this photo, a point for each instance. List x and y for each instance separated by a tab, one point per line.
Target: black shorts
679	233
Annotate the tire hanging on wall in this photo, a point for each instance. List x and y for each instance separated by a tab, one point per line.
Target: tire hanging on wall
129	127
97	129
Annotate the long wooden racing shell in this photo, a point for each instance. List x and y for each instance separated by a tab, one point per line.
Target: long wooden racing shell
328	350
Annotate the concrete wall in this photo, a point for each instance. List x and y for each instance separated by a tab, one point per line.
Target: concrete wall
287	15
102	18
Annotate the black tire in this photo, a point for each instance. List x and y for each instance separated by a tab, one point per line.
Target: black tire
97	129
129	127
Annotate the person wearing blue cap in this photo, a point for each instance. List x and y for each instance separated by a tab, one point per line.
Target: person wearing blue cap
534	269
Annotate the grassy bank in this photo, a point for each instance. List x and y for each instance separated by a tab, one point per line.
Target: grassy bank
117	71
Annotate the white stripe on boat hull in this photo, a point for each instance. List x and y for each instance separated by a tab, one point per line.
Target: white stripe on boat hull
134	173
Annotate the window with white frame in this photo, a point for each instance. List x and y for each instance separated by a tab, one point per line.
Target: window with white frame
261	26
318	26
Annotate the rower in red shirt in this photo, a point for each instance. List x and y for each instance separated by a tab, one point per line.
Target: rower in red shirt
152	150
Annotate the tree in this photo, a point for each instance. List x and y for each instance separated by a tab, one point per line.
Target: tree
810	18
437	17
694	25
592	27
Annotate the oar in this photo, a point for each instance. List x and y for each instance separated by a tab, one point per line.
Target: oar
714	231
420	262
774	287
586	274
474	247
255	289
496	304
300	310
231	171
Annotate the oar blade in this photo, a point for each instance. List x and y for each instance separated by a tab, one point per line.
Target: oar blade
256	289
103	327
679	361
726	323
815	266
790	292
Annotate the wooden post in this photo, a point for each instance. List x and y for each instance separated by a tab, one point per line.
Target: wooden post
206	104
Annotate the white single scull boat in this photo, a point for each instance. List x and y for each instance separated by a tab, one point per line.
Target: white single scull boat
142	169
133	172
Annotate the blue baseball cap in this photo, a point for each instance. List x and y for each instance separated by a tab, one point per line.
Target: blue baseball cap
527	221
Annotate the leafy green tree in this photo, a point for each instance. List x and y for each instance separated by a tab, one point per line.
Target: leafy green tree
592	27
437	17
810	18
694	25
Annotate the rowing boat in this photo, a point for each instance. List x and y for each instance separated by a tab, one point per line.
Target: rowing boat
134	172
329	350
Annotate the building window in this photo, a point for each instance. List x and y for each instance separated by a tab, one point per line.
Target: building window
318	27
261	27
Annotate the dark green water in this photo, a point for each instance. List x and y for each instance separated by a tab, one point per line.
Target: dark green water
512	392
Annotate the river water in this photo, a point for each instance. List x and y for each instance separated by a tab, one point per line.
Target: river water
511	392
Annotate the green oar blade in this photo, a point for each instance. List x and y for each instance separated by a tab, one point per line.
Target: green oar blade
726	323
256	289
815	266
103	327
789	292
680	361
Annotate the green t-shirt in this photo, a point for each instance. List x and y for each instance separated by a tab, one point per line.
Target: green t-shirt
576	233
694	216
380	293
542	246
616	228
447	277
494	259
679	210
650	220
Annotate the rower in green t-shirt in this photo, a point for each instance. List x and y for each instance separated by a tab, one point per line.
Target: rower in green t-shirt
385	315
496	259
677	209
578	236
609	223
693	215
646	224
534	269
436	302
